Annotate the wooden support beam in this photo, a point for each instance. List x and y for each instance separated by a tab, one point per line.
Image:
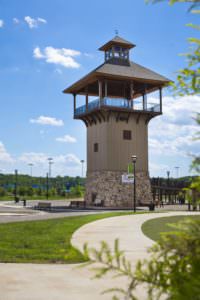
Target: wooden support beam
97	116
108	115
88	120
85	122
131	90
93	118
106	88
128	117
148	119
102	115
86	101
143	105
138	118
131	94
160	93
74	103
118	116
100	92
144	101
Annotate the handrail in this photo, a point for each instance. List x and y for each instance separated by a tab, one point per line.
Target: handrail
118	103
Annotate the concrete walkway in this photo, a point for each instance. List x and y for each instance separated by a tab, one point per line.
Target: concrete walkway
68	282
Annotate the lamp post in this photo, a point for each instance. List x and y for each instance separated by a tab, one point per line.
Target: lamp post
82	162
47	186
50	164
134	159
168	173
16	182
169	196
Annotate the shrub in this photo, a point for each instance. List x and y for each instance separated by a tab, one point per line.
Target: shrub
173	271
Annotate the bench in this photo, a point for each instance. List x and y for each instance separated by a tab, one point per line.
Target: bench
77	204
43	206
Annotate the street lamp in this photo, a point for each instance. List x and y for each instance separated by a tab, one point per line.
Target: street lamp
134	159
16	183
82	161
50	163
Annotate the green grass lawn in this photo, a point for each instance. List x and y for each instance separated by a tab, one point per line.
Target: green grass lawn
153	228
45	241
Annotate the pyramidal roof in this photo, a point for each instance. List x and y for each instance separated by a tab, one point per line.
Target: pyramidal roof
117	40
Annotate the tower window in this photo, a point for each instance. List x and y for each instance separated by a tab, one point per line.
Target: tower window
127	134
96	147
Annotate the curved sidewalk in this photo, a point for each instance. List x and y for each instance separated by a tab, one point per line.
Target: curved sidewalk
68	282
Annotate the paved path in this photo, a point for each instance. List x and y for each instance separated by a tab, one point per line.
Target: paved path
68	282
11	212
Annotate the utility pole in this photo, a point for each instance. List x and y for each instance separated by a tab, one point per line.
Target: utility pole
177	171
82	162
50	164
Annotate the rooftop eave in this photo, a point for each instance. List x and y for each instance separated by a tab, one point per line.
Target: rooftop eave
111	43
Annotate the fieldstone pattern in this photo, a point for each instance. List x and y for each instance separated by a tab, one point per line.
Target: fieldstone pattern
106	188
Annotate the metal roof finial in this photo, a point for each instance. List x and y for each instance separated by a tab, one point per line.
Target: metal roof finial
116	31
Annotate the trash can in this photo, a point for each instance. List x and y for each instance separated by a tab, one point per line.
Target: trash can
151	206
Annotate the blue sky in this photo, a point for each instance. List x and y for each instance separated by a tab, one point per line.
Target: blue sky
36	118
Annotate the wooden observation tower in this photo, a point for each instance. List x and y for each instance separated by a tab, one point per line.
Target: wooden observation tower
117	124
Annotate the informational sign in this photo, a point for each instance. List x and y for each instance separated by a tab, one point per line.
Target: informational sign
127	178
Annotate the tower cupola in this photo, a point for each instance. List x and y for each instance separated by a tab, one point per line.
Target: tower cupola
117	51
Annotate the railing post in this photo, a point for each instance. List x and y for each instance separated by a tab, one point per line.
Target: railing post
106	89
160	92
86	99
131	94
74	104
144	101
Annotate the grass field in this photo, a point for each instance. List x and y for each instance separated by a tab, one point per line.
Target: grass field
45	241
153	228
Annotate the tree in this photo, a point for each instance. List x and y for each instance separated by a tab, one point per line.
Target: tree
2	192
172	270
188	78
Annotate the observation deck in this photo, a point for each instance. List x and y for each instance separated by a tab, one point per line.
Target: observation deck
117	104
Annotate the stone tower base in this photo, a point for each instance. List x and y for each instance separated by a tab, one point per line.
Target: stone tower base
106	188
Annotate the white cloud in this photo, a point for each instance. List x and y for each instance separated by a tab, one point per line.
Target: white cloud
16	21
44	120
62	56
37	53
33	157
68	164
41	20
1	23
172	133
4	155
34	23
66	139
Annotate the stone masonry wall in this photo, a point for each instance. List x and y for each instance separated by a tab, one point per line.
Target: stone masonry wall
107	186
